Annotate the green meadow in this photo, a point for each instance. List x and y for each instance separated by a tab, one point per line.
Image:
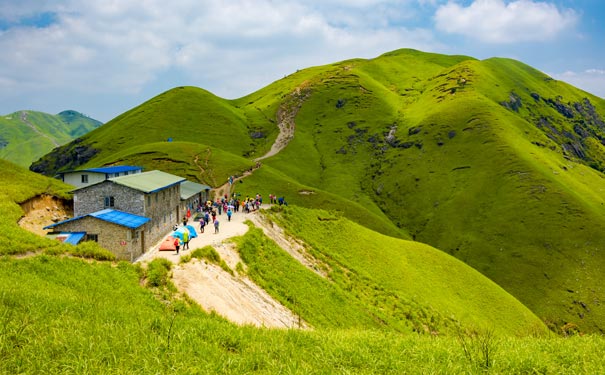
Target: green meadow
490	161
386	305
453	208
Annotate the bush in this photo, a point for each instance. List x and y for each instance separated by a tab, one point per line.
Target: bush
157	272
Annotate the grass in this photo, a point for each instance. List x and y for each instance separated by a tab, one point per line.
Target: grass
65	316
24	145
489	161
402	281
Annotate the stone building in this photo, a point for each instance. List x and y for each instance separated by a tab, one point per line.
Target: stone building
121	233
193	194
154	196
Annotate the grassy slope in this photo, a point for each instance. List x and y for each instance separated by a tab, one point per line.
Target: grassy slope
379	281
462	172
18	186
517	212
26	145
69	316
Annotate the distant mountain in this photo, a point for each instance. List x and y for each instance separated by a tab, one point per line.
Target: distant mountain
491	161
27	135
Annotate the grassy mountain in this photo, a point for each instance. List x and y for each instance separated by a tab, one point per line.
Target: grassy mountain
490	161
25	136
61	314
375	282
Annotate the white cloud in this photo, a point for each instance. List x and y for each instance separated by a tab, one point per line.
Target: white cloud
230	48
497	21
591	80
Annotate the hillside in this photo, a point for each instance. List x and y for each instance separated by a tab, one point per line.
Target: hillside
25	136
490	161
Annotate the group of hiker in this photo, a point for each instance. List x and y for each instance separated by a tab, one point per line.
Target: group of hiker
208	212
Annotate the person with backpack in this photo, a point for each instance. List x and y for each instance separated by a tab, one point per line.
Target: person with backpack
202	225
229	213
216	223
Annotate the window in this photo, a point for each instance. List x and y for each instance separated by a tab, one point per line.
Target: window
109	202
92	237
84	178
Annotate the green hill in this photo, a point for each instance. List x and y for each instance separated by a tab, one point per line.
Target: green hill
25	136
490	161
64	315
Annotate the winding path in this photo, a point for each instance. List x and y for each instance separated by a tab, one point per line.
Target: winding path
285	122
23	118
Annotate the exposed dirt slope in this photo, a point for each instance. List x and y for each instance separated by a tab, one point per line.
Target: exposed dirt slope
236	297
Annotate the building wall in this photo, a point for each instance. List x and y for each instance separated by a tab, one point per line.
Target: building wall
125	243
92	198
162	208
75	178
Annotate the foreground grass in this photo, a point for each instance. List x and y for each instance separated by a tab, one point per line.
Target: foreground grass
67	316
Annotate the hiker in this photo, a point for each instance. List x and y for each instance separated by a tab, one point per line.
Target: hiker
207	217
229	213
184	220
177	244
186	239
280	200
202	225
216	223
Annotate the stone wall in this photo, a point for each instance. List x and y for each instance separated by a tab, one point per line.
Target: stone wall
125	243
92	199
162	208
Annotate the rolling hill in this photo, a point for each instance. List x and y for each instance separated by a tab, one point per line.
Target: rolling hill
490	161
25	136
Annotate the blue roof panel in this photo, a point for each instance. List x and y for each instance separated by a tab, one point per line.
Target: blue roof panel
121	218
115	169
113	216
73	237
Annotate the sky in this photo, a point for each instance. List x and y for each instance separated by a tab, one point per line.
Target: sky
104	57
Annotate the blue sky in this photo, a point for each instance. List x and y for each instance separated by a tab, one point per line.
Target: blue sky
103	57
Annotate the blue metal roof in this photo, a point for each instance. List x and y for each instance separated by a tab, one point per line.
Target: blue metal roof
121	218
115	169
72	237
124	219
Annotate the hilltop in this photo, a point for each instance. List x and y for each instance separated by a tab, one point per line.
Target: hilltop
25	136
490	161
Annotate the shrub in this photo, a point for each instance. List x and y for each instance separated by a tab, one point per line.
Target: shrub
157	272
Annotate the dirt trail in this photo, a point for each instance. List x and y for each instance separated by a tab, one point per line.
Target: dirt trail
23	117
285	119
234	297
285	122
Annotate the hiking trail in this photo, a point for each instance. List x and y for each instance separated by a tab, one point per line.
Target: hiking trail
235	297
286	113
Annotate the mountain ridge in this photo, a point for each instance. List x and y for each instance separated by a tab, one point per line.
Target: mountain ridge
488	160
27	135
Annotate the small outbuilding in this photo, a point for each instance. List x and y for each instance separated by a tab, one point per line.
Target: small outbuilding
122	233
